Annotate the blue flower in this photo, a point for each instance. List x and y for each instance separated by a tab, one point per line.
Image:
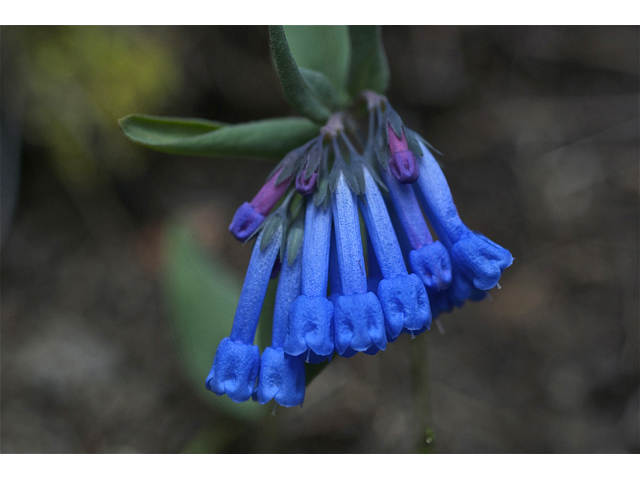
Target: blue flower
311	317
237	361
359	321
282	376
480	260
329	300
403	297
428	259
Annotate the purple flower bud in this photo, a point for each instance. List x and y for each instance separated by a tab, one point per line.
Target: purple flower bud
245	222
403	163
250	215
304	185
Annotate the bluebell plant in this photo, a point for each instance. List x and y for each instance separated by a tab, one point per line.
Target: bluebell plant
343	287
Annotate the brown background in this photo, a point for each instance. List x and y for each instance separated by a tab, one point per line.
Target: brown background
539	127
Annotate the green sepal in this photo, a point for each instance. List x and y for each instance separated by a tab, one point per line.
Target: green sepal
381	148
369	69
325	49
294	239
376	177
421	138
413	143
358	174
295	88
320	194
321	87
271	138
312	160
392	117
277	220
340	167
290	164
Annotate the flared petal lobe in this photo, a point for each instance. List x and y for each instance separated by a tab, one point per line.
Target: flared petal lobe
359	323
480	259
432	264
282	378
234	370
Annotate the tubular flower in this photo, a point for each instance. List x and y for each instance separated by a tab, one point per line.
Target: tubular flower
329	299
359	321
311	316
478	258
281	375
237	361
403	297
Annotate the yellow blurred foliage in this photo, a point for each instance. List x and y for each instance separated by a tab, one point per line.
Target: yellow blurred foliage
77	81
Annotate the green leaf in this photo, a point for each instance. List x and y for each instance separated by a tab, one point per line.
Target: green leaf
202	297
369	69
296	90
324	48
321	87
271	138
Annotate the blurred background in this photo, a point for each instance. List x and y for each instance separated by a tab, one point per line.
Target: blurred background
118	273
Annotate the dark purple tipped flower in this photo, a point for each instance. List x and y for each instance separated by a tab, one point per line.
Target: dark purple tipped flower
403	163
251	215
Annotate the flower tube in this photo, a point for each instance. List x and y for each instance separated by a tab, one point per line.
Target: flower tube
310	319
282	376
359	321
480	259
237	360
403	297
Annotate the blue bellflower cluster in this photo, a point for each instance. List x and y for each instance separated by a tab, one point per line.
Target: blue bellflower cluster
332	298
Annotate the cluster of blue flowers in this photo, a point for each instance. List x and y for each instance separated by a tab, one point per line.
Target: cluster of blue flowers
330	300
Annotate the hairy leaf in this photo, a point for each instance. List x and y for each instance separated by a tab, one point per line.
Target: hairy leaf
295	88
271	138
324	48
